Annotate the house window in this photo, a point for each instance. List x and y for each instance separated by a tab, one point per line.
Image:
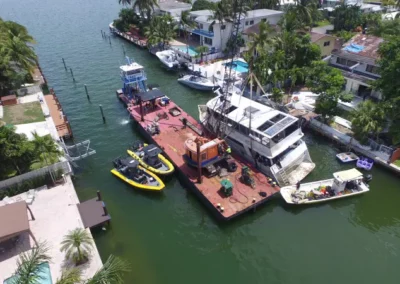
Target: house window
200	26
327	43
223	27
208	41
264	20
343	61
372	69
247	23
252	22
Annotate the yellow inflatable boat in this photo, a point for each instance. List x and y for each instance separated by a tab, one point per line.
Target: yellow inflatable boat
150	158
129	170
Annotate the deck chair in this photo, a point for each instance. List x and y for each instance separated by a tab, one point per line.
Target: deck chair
30	196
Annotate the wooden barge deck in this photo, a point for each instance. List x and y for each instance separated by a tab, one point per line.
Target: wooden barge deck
171	140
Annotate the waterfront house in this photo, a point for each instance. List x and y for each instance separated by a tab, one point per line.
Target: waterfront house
327	43
357	59
216	36
172	8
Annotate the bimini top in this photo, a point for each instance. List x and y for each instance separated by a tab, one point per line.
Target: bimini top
131	67
129	162
150	95
348	175
152	150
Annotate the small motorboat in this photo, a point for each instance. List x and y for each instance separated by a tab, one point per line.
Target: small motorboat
344	184
129	170
150	158
347	157
365	163
197	82
169	59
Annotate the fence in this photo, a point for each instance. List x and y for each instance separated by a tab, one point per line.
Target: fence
64	166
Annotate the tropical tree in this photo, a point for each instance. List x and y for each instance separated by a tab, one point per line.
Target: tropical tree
386	28
347	17
76	245
202	49
126	18
260	41
145	7
268	4
306	11
161	30
327	82
186	23
111	272
367	119
222	14
29	265
277	95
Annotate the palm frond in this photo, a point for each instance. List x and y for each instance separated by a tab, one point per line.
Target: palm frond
111	272
70	276
28	265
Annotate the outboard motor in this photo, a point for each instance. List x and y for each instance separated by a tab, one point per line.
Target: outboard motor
368	178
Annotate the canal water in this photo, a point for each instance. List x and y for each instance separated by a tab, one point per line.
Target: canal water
170	237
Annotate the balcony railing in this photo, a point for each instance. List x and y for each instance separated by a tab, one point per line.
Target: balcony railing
134	78
203	32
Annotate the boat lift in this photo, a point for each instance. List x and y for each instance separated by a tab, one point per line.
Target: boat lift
77	151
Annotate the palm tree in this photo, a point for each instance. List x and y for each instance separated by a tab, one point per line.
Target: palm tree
16	45
306	11
77	244
46	150
186	23
368	118
221	15
145	7
29	265
268	4
161	30
110	272
202	49
259	42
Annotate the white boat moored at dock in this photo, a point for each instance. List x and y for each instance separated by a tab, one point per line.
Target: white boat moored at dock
344	184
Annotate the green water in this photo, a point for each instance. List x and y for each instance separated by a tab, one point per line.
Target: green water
170	237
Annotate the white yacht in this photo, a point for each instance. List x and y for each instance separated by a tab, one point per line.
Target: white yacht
268	138
168	58
197	82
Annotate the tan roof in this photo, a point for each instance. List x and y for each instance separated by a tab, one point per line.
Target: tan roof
13	220
370	44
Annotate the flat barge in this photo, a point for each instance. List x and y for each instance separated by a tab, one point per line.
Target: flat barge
174	127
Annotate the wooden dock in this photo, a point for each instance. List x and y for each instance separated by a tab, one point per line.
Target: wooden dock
60	119
140	42
94	212
173	134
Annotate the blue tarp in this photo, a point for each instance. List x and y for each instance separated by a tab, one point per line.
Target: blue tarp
354	48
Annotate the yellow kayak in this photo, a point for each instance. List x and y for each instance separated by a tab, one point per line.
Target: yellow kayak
138	176
155	161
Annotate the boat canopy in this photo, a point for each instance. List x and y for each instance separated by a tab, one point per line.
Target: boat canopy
348	175
129	162
150	95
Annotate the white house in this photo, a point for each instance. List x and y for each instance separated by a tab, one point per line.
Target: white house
171	7
357	61
216	36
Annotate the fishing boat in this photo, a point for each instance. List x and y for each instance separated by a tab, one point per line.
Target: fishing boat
169	59
347	157
129	170
344	184
365	163
197	82
150	158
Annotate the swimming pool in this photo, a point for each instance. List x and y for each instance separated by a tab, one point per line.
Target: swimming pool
44	275
183	48
239	66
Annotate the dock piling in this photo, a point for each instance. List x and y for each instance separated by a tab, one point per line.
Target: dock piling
65	66
98	195
123	50
102	35
87	93
109	39
102	113
72	74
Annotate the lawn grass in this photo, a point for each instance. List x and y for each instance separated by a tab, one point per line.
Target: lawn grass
322	23
397	163
23	113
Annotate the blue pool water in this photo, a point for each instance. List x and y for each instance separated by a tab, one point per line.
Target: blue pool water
183	48
44	275
239	66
